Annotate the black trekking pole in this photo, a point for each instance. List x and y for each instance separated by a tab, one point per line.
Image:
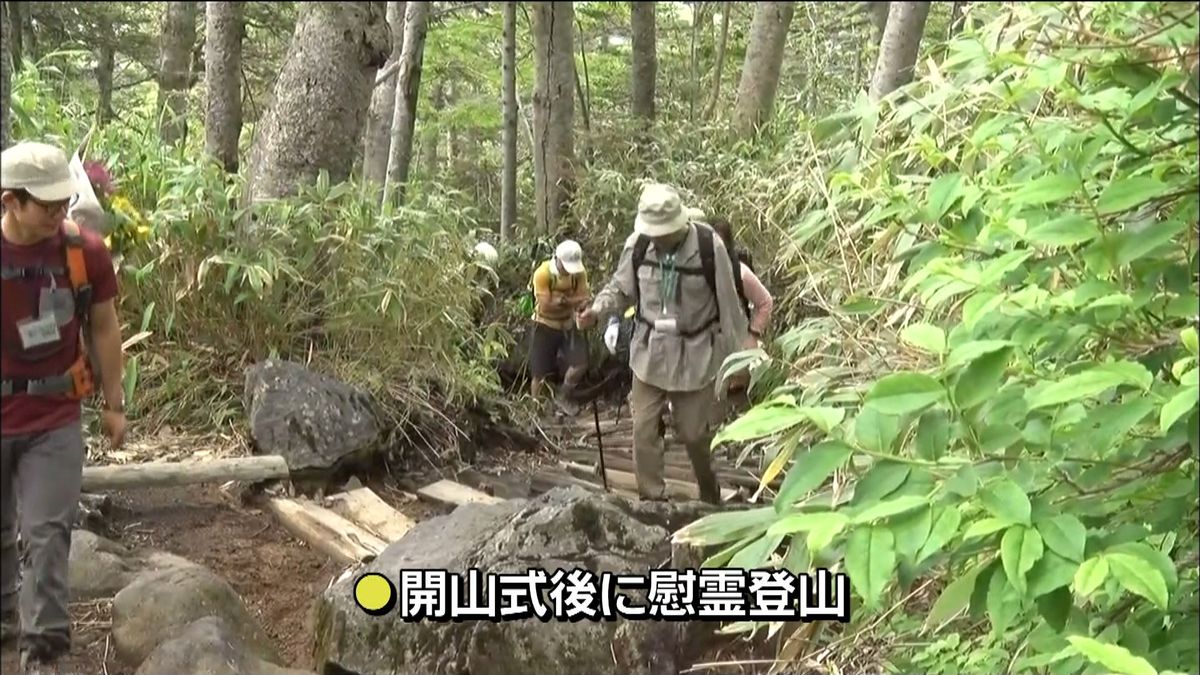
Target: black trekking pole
600	443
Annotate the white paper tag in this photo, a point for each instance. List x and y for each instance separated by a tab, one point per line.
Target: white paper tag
35	333
665	325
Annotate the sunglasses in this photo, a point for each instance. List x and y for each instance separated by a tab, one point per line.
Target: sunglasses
51	206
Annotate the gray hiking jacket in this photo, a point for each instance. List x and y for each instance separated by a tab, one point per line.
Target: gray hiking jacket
673	362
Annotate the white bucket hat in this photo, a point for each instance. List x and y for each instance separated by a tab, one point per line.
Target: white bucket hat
660	211
570	256
41	170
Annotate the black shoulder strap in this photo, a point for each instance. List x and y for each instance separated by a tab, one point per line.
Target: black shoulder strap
736	262
708	263
639	256
639	251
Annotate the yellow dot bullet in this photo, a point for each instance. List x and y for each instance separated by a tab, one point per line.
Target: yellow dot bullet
374	594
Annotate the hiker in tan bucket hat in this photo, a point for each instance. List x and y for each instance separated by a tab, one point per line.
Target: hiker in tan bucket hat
679	278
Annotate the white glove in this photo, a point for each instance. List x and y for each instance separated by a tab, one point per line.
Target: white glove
610	337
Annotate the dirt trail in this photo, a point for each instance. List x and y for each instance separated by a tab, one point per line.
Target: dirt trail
277	576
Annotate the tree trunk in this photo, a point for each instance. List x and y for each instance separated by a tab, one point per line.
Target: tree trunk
760	71
174	69
899	48
16	49
378	138
105	64
408	85
553	111
508	186
645	60
320	98
957	14
719	69
879	18
222	81
431	138
5	76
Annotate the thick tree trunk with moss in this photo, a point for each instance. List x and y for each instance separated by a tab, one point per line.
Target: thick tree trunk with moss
553	111
760	71
223	81
378	139
315	122
899	48
174	69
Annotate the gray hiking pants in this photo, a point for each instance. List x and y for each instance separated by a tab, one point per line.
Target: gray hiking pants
43	474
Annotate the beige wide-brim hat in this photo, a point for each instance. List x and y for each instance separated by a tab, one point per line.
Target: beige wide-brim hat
660	212
41	170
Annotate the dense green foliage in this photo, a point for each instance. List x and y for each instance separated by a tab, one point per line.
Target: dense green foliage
1031	437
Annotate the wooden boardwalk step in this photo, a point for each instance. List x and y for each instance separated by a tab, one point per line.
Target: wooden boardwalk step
628	481
326	531
455	494
364	507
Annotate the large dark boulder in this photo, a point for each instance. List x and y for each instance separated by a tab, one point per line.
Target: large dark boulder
566	528
319	425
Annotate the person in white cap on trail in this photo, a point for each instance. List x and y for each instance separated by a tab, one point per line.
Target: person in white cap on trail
688	320
560	287
59	287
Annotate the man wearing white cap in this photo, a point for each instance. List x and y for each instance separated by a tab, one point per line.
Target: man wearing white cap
688	320
58	286
560	287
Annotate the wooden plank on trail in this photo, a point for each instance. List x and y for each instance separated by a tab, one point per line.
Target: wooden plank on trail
326	531
449	492
548	479
364	507
676	465
170	474
628	481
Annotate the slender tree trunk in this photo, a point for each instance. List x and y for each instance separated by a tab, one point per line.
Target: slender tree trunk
957	14
645	59
105	65
16	33
431	138
223	31
899	48
553	112
764	60
174	69
719	70
508	187
694	60
6	74
378	138
408	85
320	98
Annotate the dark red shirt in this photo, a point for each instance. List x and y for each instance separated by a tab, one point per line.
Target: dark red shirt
24	413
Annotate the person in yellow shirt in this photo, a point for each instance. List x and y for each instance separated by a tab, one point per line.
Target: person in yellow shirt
560	287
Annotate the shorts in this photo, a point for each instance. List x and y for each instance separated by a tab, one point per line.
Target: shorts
546	344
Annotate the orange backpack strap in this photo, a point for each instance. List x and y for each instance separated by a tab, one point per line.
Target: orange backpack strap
77	270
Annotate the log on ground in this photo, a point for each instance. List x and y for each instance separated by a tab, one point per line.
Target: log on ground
170	474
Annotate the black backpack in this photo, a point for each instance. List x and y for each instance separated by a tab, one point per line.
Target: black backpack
708	268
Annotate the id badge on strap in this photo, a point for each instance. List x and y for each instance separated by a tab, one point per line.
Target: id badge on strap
38	332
